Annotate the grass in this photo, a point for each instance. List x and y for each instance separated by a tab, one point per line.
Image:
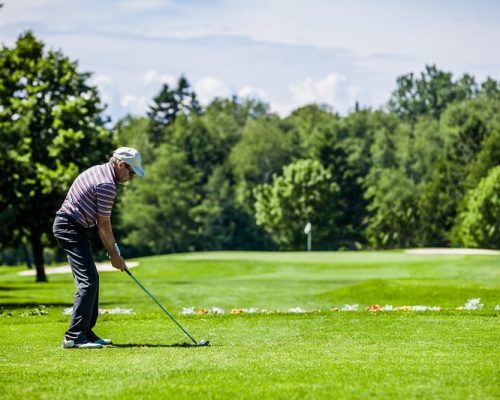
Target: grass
450	354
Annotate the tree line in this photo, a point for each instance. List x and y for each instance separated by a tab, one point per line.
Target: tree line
421	171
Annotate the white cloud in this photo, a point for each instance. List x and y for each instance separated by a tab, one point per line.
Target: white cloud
334	90
254	93
105	87
101	80
153	76
144	5
256	43
135	104
208	88
282	108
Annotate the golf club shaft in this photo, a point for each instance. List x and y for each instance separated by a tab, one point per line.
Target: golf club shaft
163	308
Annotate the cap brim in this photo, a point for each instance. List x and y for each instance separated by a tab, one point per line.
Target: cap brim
138	170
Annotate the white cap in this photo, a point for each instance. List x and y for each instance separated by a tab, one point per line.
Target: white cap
130	156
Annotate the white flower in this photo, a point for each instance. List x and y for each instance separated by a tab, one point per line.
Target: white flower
497	307
296	310
473	304
216	310
388	307
116	311
188	311
252	310
69	311
425	308
349	307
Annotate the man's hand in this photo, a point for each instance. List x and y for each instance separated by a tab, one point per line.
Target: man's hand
118	262
109	242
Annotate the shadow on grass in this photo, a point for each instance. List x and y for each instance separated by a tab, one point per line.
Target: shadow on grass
16	306
132	345
5	304
10	288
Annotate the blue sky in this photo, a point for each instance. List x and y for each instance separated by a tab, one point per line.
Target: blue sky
285	52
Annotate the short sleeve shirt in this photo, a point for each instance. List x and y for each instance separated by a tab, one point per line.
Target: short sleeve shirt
92	194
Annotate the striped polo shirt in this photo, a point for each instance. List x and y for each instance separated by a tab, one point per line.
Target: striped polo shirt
91	194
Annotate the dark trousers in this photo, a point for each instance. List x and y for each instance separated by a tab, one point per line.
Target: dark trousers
75	241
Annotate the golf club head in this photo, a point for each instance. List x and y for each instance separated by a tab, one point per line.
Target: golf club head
204	343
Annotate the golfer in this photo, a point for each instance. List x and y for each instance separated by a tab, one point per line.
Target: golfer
89	203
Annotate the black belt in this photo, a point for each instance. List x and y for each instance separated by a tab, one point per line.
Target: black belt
71	219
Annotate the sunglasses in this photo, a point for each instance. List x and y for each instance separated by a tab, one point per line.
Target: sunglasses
130	170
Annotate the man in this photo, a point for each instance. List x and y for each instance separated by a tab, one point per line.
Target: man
89	203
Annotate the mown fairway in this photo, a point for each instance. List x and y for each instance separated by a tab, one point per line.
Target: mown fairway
319	354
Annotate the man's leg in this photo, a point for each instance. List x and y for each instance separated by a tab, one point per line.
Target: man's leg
95	309
77	245
90	334
87	283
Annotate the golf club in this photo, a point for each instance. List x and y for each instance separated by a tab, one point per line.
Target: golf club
200	343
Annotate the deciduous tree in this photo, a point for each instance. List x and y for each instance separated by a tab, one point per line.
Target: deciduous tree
51	127
478	223
303	193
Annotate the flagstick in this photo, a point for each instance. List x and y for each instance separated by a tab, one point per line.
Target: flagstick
308	232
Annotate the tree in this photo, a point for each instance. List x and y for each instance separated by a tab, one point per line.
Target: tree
315	129
264	149
429	94
464	129
438	204
350	164
341	144
394	210
190	184
164	201
203	148
226	118
50	129
168	104
132	131
491	89
226	224
478	223
487	158
304	193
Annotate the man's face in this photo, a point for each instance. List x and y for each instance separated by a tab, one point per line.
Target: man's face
125	173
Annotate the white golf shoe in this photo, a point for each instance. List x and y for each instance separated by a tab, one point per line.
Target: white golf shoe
92	337
73	344
103	342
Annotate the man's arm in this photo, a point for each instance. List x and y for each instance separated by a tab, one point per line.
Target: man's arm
108	240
